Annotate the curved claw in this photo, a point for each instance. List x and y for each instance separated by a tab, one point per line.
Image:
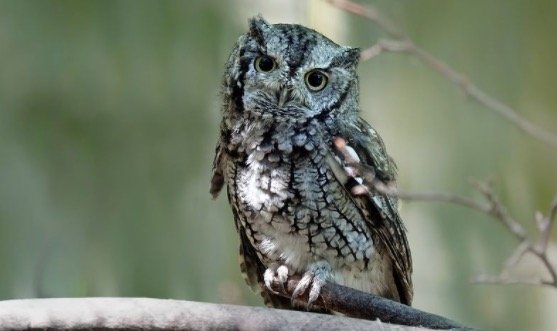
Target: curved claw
314	279
276	275
302	286
268	278
315	290
282	275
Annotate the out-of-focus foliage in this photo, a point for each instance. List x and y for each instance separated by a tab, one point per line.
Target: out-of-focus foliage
109	112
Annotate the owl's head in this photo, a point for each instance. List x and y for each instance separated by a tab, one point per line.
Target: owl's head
290	71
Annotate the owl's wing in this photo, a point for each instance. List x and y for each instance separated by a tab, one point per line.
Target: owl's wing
217	180
381	210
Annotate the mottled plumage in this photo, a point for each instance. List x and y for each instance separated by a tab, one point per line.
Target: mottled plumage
288	92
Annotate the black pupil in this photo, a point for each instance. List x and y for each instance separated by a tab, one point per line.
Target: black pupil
266	63
315	79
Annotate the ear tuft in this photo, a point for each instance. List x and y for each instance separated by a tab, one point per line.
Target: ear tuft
258	28
352	55
348	57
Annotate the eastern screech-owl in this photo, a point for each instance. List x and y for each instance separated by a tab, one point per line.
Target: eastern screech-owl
289	94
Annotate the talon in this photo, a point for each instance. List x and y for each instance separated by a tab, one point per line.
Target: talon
315	290
314	279
302	286
282	276
276	276
268	277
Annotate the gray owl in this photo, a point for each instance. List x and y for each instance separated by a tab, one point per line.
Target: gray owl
290	97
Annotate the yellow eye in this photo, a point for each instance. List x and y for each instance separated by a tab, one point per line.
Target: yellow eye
316	80
265	63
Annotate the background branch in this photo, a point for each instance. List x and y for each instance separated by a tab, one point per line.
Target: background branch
402	44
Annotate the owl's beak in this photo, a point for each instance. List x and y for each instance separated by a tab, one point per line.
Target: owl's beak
284	96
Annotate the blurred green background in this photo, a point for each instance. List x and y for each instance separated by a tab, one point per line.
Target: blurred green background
109	112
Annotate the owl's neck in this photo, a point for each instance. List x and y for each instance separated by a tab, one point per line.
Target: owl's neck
277	140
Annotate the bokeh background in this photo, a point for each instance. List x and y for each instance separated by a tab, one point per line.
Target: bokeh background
109	112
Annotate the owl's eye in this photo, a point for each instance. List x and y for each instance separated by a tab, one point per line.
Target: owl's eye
316	80
265	63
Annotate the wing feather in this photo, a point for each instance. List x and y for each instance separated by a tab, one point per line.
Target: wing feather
364	146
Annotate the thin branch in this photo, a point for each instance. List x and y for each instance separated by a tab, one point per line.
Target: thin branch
440	197
545	224
371	13
498	211
548	265
159	314
401	43
505	280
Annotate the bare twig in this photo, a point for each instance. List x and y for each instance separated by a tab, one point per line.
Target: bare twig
537	249
545	223
371	13
492	207
497	210
400	43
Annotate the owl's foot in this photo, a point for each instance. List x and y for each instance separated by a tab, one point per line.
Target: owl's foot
276	274
313	279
